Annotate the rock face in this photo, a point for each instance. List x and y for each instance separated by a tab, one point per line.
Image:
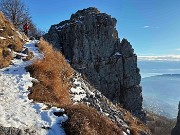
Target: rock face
89	40
10	131
176	129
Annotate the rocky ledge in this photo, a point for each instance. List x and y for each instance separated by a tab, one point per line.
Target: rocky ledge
90	42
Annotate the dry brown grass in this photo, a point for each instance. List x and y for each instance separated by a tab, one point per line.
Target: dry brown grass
29	57
8	31
5	57
84	120
160	125
53	74
136	125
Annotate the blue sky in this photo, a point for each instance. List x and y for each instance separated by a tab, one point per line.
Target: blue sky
151	26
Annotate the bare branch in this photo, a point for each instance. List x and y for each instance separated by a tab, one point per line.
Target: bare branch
15	11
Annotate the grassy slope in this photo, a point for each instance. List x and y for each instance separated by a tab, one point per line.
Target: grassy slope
159	125
8	31
87	121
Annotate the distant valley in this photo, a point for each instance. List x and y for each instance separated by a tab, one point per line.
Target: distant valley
161	85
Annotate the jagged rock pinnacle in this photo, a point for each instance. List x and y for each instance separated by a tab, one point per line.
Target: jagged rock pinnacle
89	40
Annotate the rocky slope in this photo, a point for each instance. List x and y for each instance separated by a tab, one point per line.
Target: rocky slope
83	92
176	129
89	40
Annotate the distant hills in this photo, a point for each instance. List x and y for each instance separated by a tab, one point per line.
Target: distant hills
161	94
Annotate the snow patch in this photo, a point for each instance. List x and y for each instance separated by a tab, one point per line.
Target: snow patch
21	54
81	17
78	92
19	34
11	37
117	54
124	133
77	21
2	38
12	28
60	27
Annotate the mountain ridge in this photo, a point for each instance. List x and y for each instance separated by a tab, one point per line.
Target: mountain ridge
51	83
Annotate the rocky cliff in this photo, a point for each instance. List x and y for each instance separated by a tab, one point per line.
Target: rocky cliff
90	42
176	130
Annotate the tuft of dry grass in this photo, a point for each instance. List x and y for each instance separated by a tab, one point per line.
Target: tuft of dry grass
53	74
84	120
29	57
5	57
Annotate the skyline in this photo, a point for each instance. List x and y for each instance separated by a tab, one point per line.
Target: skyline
152	27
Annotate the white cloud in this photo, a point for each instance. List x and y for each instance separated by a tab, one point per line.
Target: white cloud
160	58
146	26
178	49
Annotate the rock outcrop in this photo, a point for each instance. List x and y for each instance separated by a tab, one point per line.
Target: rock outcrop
89	41
176	129
83	92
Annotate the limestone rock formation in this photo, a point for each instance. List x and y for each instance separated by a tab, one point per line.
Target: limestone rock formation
89	40
176	129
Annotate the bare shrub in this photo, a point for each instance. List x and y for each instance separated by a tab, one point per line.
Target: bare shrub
15	11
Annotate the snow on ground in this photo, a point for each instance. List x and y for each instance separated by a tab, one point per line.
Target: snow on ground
11	37
20	36
117	53
78	92
2	38
16	110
